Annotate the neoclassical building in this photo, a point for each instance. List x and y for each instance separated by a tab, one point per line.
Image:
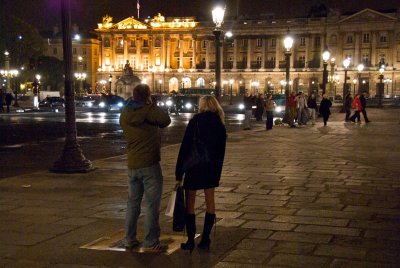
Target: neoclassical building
173	53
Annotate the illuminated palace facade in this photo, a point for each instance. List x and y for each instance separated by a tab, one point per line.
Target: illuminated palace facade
173	53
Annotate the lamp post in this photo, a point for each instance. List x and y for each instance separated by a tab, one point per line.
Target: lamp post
218	18
288	43
346	64
110	82
37	90
325	57
360	68
231	81
381	86
7	69
332	81
354	86
80	77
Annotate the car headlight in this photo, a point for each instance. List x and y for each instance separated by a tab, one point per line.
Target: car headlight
241	106
120	104
278	109
160	103
90	104
102	104
188	105
168	103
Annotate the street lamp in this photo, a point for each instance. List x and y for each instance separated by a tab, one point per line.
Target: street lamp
160	83
231	81
354	86
381	85
287	43
80	77
325	57
360	68
110	81
218	18
36	99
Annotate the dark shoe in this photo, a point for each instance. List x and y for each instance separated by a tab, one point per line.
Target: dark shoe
368	121
209	221
131	245
190	223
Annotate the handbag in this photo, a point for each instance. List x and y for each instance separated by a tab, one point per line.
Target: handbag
198	152
178	221
169	211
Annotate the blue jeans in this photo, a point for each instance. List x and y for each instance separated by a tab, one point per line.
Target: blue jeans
147	181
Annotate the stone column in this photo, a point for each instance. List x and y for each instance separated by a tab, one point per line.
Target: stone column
139	64
373	48
321	50
264	55
207	55
277	52
249	50
235	44
180	51
194	53
356	58
168	52
307	54
125	48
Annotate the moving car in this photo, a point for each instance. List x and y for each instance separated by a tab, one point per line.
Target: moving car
109	103
52	102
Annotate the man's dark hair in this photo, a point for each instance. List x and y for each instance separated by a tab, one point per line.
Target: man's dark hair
141	92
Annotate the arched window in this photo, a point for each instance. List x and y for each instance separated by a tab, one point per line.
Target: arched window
173	84
200	82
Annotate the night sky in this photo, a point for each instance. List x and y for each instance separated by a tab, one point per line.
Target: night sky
44	14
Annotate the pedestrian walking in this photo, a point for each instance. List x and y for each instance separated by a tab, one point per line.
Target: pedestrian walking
301	108
356	105
140	121
248	101
259	107
8	99
324	108
312	107
269	108
363	101
347	106
292	108
209	125
1	100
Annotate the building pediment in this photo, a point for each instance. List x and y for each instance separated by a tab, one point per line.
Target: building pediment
128	23
367	15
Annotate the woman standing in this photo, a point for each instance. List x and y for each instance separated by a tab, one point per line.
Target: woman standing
324	108
312	106
269	107
209	124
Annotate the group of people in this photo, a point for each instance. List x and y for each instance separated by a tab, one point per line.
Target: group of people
5	98
358	104
141	121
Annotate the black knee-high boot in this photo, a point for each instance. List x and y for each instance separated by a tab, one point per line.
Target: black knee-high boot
190	222
209	221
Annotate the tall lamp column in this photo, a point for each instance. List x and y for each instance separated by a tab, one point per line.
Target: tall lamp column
381	86
325	57
346	64
360	68
218	18
288	43
231	81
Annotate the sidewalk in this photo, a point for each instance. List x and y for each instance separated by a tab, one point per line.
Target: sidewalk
305	197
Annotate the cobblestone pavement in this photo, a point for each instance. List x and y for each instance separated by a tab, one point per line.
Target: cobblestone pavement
312	196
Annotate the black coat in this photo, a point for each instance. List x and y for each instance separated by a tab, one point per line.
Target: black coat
213	134
324	107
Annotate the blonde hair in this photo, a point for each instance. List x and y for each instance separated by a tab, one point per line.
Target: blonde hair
210	104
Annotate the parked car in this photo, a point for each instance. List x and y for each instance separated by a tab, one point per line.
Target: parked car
52	102
86	101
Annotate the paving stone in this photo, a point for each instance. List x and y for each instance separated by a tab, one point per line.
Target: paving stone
316	229
291	260
275	226
255	202
294	248
341	252
311	220
260	234
225	264
256	244
379	224
340	263
229	222
23	239
333	214
247	256
301	237
387	234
